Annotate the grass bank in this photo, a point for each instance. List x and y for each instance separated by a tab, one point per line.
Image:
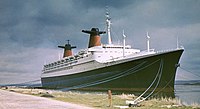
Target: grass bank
100	100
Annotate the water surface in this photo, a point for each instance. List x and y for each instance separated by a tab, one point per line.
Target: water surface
188	94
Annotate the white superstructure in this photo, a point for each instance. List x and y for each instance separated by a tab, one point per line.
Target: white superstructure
95	57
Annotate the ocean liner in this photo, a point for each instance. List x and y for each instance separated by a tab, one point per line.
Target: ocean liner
116	67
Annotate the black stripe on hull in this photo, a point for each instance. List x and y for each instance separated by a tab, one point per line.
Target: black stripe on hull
129	77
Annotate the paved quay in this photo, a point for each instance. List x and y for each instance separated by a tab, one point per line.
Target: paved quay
13	100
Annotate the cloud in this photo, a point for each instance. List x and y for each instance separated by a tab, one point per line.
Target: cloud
25	65
168	14
31	30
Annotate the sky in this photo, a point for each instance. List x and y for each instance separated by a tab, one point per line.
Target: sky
31	30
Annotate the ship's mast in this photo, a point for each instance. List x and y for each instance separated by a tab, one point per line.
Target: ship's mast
108	23
124	43
148	46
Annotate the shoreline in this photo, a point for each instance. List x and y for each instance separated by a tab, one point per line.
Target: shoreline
100	100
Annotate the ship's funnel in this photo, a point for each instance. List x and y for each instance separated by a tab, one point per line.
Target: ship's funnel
67	49
95	39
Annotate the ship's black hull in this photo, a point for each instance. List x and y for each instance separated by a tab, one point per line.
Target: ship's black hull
155	73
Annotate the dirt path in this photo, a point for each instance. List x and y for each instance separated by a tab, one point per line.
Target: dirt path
12	100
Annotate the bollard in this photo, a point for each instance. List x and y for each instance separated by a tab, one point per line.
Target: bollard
110	98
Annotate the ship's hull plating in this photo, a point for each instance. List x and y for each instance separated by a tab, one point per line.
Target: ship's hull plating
154	73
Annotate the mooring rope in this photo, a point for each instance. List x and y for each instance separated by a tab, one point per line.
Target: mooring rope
188	71
173	77
137	100
160	70
148	87
164	86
